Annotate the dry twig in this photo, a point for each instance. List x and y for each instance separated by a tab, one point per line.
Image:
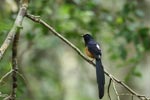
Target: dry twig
114	87
5	76
108	90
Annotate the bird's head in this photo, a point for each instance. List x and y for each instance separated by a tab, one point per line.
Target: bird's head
87	38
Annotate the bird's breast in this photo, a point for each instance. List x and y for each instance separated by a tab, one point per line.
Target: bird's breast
88	53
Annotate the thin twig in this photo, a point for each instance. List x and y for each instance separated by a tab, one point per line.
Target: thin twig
125	94
114	87
21	76
38	20
108	90
132	97
5	76
3	95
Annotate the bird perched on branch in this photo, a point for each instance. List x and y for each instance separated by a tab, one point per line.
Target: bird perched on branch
93	50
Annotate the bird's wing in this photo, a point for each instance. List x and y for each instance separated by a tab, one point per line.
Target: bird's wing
94	48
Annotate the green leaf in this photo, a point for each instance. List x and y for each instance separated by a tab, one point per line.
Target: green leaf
4	25
146	43
123	52
119	20
143	32
30	36
140	48
64	11
139	13
138	74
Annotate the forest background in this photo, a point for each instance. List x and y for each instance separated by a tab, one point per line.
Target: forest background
51	70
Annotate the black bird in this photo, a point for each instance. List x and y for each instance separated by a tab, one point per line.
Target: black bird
93	50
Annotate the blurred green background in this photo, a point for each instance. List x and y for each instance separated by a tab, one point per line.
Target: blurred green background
54	71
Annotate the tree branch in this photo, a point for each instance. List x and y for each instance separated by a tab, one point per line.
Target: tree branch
38	20
14	65
114	87
17	24
108	90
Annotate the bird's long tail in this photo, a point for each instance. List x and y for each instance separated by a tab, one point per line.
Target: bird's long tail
100	77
